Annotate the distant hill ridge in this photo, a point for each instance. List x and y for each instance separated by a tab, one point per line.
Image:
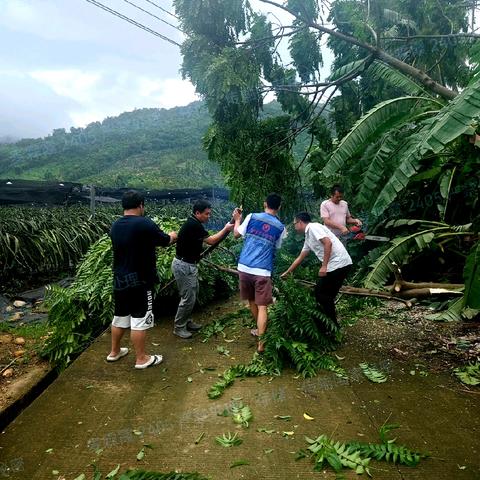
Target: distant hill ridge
145	148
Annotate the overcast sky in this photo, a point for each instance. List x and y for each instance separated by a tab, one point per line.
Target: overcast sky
67	63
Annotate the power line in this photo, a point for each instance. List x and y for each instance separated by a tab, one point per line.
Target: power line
161	8
152	15
133	22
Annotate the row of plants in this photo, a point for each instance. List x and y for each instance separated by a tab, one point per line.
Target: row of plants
35	241
47	241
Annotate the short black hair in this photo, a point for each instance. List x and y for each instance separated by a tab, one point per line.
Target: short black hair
273	201
132	199
336	188
304	217
201	205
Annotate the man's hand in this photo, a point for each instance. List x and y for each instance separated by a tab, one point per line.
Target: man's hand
229	227
323	271
237	214
344	230
173	237
358	222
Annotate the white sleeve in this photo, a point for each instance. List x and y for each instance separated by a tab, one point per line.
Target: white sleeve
242	229
318	231
305	247
282	237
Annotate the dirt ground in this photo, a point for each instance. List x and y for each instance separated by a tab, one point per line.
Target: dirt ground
22	333
105	413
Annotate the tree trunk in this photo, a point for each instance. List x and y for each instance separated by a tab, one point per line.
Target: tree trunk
394	62
402	285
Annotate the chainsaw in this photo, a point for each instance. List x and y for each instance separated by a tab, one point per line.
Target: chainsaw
356	233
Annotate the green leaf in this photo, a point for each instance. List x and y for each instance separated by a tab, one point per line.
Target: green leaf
373	374
384	116
400	251
239	463
283	417
113	472
395	78
452	121
469	374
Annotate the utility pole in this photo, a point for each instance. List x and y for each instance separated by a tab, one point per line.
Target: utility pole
92	200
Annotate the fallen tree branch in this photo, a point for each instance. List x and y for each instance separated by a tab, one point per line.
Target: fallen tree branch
402	285
364	292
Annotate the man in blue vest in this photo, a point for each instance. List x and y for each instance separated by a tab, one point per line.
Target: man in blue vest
263	234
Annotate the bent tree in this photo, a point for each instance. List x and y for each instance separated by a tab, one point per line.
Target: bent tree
403	97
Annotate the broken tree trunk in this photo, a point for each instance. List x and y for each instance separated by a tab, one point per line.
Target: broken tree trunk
364	292
401	285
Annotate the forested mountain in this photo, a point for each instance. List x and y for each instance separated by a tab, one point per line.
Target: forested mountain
149	148
145	148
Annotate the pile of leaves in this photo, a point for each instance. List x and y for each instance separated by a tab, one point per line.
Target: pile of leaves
469	374
326	451
299	335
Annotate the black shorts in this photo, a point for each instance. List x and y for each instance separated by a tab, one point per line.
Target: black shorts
133	308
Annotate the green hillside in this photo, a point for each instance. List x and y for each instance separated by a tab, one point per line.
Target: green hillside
146	148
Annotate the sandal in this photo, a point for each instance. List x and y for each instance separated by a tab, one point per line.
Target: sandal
113	358
154	360
254	332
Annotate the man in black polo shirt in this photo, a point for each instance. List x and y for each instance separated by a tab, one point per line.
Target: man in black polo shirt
191	237
134	239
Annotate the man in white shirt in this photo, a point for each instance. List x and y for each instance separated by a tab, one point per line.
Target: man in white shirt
336	262
335	213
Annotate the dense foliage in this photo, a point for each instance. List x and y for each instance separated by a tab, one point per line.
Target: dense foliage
82	310
299	336
45	241
406	114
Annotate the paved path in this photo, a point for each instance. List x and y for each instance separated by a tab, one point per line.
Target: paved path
94	405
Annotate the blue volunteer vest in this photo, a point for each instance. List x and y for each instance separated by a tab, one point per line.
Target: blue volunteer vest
263	231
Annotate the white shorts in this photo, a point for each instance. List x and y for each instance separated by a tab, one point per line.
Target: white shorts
134	323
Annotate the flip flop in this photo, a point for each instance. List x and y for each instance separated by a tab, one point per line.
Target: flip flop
254	332
122	353
154	360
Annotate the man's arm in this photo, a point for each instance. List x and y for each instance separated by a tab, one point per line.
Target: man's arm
327	252
332	224
215	238
355	221
161	239
295	263
173	237
239	228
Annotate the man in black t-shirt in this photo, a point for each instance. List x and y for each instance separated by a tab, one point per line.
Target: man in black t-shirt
191	237
134	240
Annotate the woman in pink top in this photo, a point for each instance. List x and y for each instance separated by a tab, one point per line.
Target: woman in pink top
335	213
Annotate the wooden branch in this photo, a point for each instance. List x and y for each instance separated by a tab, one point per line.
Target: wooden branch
221	267
394	62
404	285
363	292
427	292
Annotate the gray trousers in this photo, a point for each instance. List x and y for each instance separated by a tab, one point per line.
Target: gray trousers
186	275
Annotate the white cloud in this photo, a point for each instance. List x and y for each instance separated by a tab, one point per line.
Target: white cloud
99	94
69	83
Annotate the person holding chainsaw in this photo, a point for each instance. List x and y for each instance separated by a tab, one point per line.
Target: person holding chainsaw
336	215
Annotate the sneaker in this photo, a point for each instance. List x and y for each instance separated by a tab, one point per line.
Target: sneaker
182	333
194	327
